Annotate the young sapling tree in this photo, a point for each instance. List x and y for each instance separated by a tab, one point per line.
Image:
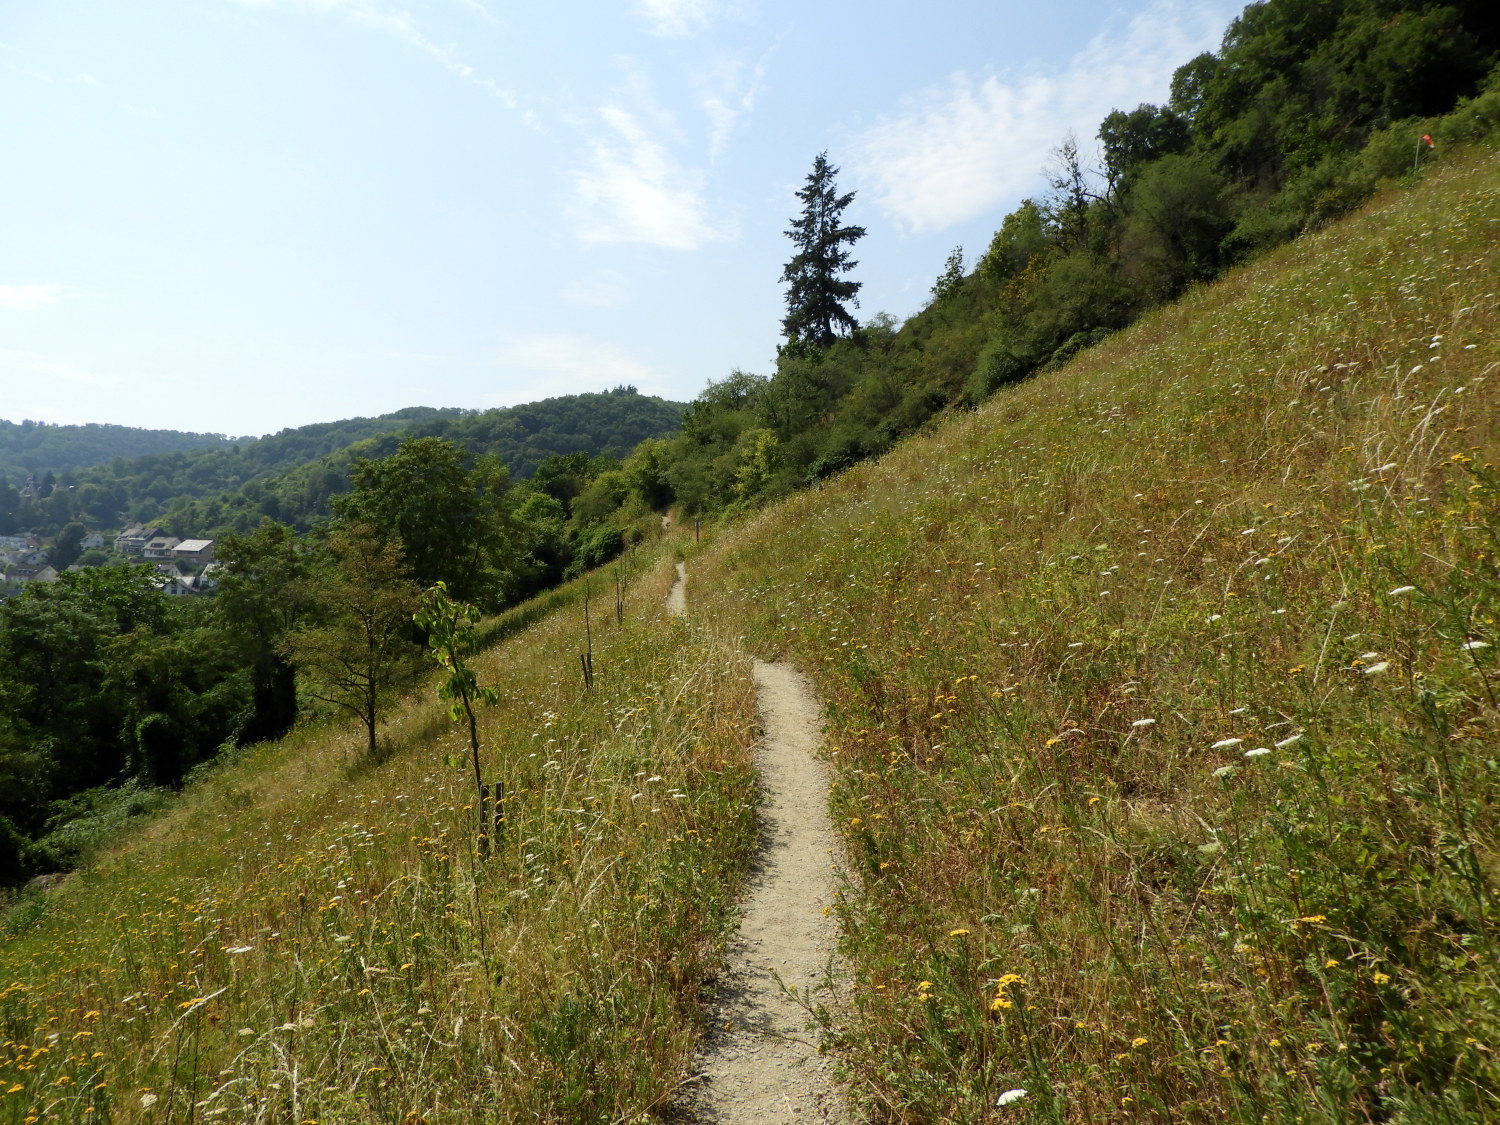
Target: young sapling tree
449	626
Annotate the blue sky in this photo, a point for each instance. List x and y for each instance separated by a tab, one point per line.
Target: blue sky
235	216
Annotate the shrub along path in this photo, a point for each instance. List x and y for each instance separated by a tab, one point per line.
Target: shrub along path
760	1064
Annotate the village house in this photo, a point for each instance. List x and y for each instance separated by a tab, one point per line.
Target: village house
21	550
174	586
20	574
133	540
160	547
198	552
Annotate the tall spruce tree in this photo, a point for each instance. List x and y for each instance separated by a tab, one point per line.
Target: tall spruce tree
817	293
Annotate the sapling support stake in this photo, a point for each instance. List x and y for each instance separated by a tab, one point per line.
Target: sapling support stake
586	658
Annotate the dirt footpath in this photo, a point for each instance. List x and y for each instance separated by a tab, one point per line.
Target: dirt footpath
677	597
761	1065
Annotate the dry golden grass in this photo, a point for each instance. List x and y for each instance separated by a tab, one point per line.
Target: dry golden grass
307	936
1161	697
1165	769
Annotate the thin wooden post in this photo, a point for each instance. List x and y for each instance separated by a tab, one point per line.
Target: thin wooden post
588	633
484	821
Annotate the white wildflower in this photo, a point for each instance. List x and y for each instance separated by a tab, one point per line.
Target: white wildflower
1010	1097
1144	723
1292	741
1225	743
1258	752
1400	590
1223	771
1378	669
1474	646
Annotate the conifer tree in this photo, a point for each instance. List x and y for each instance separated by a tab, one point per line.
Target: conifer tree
817	294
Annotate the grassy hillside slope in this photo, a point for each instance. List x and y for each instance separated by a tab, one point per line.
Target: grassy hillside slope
306	936
1163	708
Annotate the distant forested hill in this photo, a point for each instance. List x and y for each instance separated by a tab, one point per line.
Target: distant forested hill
29	447
290	475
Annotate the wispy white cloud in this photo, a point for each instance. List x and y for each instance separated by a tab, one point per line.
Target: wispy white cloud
605	290
974	144
634	191
476	6
675	19
544	366
378	16
727	89
52	372
25	298
80	78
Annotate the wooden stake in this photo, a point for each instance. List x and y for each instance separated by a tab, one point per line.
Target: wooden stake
484	821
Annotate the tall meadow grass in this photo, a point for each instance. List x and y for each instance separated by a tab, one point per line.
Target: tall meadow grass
308	936
1162	703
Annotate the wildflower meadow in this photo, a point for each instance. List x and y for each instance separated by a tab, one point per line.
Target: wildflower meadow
1161	702
1162	699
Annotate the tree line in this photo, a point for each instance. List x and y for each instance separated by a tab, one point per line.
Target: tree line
293	476
31	448
109	689
1307	106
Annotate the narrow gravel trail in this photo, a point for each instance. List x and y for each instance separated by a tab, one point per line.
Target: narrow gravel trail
761	1065
677	597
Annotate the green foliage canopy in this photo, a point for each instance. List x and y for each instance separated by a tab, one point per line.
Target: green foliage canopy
454	522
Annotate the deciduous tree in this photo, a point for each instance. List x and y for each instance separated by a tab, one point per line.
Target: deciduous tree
355	657
263	594
453	522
